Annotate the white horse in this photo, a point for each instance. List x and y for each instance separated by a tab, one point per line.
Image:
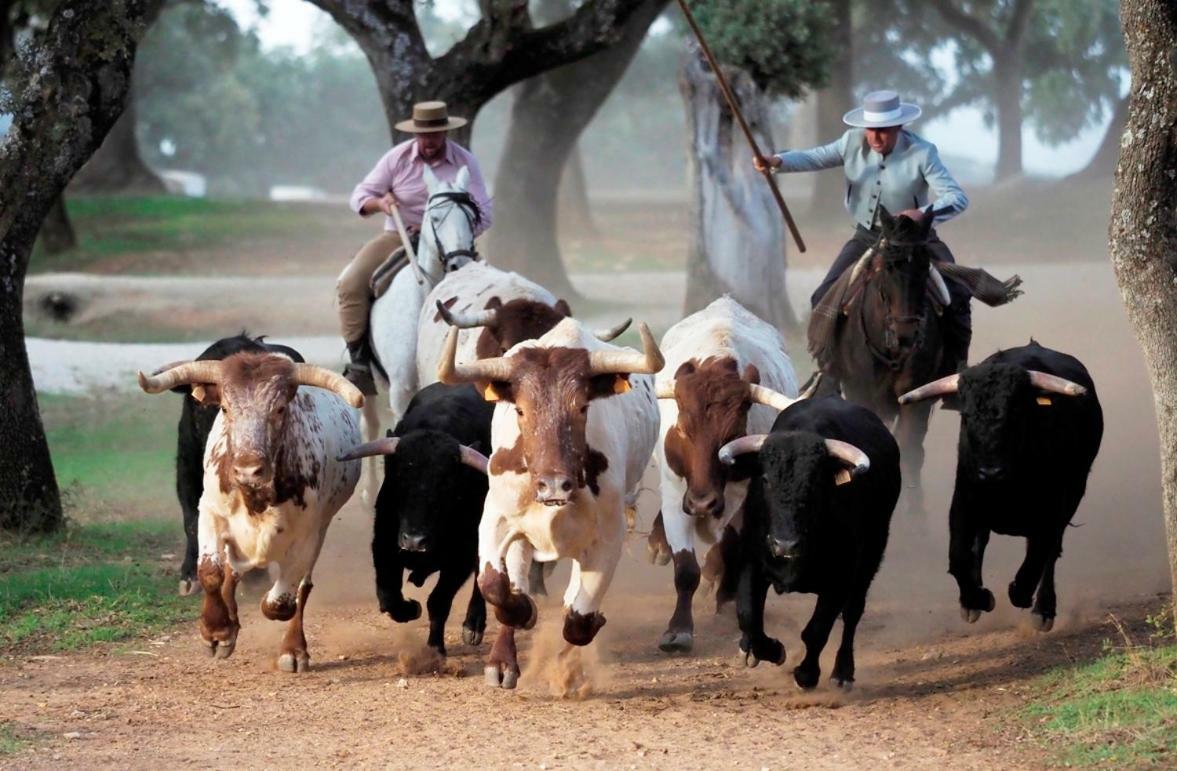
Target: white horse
446	244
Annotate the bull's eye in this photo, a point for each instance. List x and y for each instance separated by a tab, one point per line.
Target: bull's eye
519	411
584	409
224	410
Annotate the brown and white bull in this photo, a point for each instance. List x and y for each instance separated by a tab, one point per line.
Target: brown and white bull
271	484
727	375
572	433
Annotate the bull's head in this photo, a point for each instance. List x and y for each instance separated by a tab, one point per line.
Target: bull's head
506	325
794	474
551	389
420	469
713	401
996	399
253	391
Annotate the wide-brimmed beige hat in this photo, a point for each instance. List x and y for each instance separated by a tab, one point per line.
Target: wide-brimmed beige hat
429	117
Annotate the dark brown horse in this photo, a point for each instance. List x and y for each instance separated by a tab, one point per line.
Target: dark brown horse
891	338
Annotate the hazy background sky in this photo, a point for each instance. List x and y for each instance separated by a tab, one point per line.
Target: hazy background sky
294	23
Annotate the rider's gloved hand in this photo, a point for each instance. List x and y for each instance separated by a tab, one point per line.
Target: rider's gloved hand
766	162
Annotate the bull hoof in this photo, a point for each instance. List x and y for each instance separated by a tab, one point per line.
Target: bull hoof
676	642
771	650
658	554
1041	623
499	679
970	614
294	662
471	636
188	587
520	611
581	628
846	684
1019	599
409	610
806	679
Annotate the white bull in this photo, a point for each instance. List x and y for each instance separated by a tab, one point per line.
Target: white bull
726	375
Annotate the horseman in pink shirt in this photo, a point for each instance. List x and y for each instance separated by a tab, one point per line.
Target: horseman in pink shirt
397	180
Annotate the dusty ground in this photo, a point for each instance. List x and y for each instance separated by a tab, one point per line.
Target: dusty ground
932	691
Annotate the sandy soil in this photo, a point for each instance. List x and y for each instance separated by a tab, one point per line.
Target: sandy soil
933	692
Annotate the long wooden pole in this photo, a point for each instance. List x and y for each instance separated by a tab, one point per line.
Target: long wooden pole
735	108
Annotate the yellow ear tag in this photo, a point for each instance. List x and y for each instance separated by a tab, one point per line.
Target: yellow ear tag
489	393
621	385
1045	401
842	477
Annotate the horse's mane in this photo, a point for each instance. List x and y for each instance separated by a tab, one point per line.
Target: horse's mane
464	199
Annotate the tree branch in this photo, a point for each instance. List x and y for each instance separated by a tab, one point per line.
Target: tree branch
969	24
1019	20
386	30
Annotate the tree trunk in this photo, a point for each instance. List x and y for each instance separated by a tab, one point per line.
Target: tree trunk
738	243
1007	87
832	103
118	167
57	234
576	213
1142	232
1103	163
77	81
549	114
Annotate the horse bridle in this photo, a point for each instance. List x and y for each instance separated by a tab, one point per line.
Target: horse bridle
462	202
894	353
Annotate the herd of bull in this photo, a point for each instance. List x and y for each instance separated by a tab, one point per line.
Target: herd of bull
526	441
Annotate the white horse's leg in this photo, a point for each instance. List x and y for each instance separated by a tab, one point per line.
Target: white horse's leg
370	419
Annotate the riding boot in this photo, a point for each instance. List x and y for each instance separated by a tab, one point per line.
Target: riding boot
359	370
958	334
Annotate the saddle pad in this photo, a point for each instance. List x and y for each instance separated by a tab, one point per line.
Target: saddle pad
382	277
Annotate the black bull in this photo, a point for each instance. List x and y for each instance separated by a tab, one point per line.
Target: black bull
1031	426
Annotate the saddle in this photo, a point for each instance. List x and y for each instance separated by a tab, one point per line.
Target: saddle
382	277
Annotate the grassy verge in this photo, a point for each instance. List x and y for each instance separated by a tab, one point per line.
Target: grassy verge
1120	710
90	583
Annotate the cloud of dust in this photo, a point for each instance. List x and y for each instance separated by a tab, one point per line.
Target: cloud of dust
565	671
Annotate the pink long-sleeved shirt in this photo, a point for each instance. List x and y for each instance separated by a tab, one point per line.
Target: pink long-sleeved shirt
401	172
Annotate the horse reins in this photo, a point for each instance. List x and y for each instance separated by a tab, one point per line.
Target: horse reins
465	203
894	353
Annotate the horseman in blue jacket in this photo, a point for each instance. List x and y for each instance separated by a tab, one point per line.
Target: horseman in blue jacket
889	165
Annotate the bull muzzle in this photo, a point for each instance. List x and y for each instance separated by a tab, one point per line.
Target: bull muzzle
993	473
708	504
783	549
252	471
553	489
415	542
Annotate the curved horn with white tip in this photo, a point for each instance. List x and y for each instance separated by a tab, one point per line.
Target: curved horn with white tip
611	334
742	446
937	388
939	286
451	373
321	377
664	390
648	362
183	374
473	458
849	454
385	446
1055	384
769	397
468	319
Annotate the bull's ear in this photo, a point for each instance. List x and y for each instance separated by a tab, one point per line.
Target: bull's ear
684	369
495	390
563	308
494	303
608	385
206	394
752	374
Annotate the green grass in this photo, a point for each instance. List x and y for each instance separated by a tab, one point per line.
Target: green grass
10	741
88	584
1120	710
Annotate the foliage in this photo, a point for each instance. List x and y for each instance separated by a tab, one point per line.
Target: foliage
784	45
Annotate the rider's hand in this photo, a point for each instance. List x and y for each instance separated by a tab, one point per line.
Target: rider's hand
387	202
916	215
766	162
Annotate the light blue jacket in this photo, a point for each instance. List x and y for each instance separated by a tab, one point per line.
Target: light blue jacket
903	179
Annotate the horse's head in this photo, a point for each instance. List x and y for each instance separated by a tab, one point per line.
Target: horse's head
447	230
904	262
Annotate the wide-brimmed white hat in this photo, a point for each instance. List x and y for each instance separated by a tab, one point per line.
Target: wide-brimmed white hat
881	109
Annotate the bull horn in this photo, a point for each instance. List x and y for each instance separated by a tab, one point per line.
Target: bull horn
385	446
183	374
1055	384
862	263
769	397
849	454
648	362
664	390
321	377
741	446
941	387
611	334
938	286
468	320
473	458
451	373
171	365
